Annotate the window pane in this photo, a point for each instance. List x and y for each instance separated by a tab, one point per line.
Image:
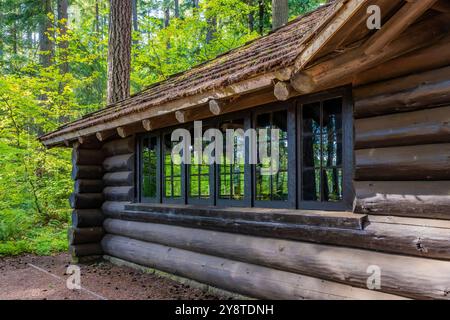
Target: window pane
272	186
172	172
149	167
231	175
322	151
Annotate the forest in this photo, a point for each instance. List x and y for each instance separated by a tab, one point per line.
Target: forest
54	63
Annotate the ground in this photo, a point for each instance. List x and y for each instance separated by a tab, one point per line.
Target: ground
44	277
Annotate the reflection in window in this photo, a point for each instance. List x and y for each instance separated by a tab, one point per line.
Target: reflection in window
149	167
199	187
273	187
231	170
171	171
322	151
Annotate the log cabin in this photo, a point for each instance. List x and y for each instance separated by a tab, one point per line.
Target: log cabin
363	187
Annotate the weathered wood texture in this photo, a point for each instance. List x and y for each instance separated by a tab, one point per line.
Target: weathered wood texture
412	240
87	172
408	128
422	162
88	186
244	278
86	200
85	235
87	249
117	179
400	275
87	156
123	162
120	146
430	199
82	218
125	193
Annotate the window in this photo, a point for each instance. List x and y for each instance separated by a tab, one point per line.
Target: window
149	169
323	175
272	187
314	171
172	173
200	176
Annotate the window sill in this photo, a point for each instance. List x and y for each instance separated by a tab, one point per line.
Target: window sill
242	219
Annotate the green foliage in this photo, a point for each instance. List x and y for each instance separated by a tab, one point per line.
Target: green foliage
35	182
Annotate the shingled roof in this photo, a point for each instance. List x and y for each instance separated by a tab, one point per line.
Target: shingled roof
274	51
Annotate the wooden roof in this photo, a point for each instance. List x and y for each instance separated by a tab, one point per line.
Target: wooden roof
275	51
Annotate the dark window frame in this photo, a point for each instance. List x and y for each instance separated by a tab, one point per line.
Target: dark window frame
295	159
347	150
290	108
138	179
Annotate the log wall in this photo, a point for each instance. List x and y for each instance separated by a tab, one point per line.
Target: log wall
86	231
402	140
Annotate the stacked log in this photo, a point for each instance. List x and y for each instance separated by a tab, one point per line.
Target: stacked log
118	178
400	275
86	231
402	142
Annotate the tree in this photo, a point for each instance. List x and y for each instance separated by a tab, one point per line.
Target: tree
119	50
63	44
45	43
280	13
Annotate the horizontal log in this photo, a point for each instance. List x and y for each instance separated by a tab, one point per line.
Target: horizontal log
423	162
421	241
120	146
124	162
113	208
88	186
87	172
284	91
244	278
410	128
85	235
86	200
119	193
117	179
106	134
400	275
87	156
87	249
82	218
423	96
427	199
428	58
336	70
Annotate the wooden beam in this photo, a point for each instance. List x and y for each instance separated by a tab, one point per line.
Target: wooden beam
85	235
425	199
248	279
156	108
103	135
391	30
400	275
419	162
216	106
283	91
147	124
401	129
180	116
339	69
440	6
345	11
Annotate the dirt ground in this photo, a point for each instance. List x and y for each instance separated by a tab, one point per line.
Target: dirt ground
35	277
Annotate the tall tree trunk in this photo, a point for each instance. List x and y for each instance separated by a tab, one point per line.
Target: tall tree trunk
45	44
212	28
261	16
97	18
280	13
195	4
251	17
119	50
63	16
166	15
135	15
176	8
